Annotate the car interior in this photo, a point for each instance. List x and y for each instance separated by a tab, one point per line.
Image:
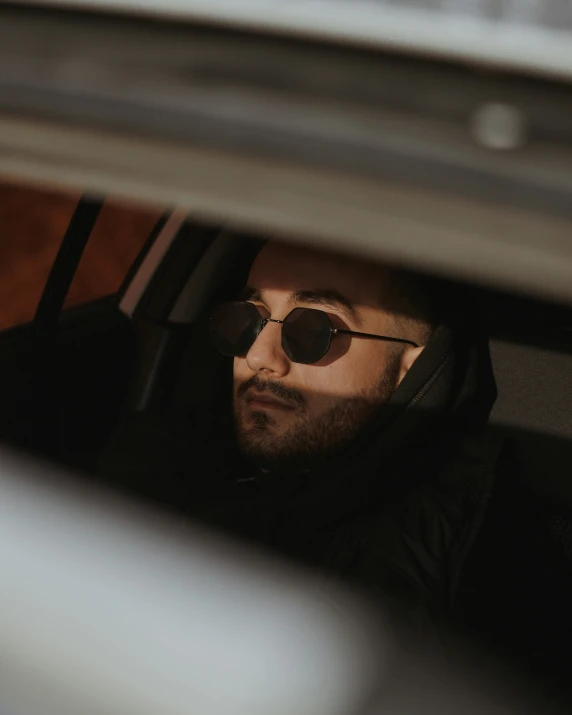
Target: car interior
450	162
71	375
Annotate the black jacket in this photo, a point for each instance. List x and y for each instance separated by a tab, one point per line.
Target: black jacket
396	512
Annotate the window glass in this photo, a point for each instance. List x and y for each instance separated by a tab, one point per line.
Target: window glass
33	222
32	225
119	235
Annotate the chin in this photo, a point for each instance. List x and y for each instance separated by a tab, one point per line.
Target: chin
256	423
258	426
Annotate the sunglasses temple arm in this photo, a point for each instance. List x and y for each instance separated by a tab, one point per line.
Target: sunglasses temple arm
376	337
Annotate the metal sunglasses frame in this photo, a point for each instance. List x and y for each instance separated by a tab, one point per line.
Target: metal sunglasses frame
332	331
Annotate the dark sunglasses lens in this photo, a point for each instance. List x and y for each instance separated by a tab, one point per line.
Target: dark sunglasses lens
306	335
234	328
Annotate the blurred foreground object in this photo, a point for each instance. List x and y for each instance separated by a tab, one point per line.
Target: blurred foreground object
515	34
106	609
443	141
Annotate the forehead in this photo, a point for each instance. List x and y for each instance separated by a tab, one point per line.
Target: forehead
290	268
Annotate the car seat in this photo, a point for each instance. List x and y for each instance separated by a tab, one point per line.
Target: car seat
515	593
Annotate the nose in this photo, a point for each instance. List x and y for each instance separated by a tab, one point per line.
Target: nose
266	354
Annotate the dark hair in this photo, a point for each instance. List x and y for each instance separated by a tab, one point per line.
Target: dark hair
416	300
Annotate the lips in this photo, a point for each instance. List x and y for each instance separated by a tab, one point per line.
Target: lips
264	399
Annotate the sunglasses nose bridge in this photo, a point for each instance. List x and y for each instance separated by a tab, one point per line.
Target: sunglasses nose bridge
262	324
266	352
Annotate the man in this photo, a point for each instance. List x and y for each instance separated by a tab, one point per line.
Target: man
351	437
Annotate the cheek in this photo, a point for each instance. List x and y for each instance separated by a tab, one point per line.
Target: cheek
350	367
240	370
240	374
343	378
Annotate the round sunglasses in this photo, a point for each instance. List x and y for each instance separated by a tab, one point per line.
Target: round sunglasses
306	332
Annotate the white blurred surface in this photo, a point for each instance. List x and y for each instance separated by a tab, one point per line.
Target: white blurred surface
520	34
107	610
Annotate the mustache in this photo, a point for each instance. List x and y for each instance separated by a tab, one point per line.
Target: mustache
276	388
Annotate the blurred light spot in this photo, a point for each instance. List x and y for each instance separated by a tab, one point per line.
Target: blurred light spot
499	126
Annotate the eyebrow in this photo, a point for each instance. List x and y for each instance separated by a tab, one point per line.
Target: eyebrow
248	293
326	298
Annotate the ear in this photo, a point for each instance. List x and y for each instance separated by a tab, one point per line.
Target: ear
408	357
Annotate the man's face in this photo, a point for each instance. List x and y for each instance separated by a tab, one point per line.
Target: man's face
289	414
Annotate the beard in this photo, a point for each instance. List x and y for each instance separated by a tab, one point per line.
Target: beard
311	438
